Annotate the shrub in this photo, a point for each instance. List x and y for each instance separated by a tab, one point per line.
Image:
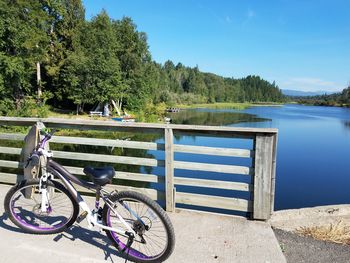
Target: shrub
30	108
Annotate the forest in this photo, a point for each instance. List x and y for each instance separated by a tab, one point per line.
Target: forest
336	99
51	57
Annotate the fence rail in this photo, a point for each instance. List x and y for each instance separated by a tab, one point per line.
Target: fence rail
261	171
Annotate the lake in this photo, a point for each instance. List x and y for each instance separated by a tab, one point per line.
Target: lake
313	157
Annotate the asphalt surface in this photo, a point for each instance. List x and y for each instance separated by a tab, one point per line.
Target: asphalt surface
299	249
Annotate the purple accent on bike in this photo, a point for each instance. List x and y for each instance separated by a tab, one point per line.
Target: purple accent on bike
121	245
97	204
24	223
43	142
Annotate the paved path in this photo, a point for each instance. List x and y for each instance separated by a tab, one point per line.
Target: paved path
200	237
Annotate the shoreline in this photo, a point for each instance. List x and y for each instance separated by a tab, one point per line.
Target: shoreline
228	105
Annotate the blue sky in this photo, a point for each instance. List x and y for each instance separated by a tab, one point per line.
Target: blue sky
302	45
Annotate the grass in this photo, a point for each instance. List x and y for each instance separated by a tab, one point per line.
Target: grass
218	105
72	115
338	233
227	105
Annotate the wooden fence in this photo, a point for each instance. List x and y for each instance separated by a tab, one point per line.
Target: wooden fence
261	187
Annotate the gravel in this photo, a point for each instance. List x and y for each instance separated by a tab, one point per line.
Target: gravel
299	249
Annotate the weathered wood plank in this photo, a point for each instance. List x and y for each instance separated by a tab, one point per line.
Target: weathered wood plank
139	177
169	170
10	150
122	175
214	201
136	127
94	157
213	184
213	151
216	134
10	178
141	145
12	136
219	168
262	178
107	142
108	158
273	176
11	164
152	193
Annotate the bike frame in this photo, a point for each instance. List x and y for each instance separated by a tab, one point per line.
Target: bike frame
91	215
58	171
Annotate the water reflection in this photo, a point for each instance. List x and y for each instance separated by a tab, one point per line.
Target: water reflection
215	118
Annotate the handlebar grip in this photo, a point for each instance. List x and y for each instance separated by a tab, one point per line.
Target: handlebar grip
34	159
45	131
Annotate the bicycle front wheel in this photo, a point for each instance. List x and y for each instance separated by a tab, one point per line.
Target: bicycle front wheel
155	238
23	206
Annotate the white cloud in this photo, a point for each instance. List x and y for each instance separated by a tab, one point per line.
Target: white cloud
310	84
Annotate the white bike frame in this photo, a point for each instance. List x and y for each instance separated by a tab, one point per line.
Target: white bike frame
54	169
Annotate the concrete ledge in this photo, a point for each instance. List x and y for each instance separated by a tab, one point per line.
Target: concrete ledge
289	220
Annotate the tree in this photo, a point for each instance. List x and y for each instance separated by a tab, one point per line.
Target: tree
24	43
134	56
67	17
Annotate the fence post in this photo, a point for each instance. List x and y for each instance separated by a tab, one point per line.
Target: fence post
273	176
263	169
169	170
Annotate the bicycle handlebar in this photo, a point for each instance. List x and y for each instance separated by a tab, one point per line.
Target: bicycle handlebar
34	158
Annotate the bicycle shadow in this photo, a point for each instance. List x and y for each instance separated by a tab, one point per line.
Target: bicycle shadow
3	225
75	232
93	238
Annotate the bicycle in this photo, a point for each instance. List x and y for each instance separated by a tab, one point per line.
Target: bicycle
137	226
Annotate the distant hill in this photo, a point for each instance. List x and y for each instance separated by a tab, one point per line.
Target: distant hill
298	93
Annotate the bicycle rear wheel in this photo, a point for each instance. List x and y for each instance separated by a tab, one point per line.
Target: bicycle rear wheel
23	206
155	239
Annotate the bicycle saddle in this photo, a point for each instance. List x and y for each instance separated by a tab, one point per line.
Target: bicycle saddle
100	176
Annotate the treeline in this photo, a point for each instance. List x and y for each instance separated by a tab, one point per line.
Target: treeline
49	54
336	99
180	84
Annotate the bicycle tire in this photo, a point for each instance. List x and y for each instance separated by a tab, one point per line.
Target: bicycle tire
29	225
134	254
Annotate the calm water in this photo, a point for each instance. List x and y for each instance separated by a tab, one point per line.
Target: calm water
313	160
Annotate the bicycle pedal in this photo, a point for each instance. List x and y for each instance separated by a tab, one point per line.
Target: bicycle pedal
81	217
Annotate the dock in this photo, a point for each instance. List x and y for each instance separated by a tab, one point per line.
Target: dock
173	110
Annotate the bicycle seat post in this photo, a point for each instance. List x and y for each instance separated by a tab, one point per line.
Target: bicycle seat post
97	201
